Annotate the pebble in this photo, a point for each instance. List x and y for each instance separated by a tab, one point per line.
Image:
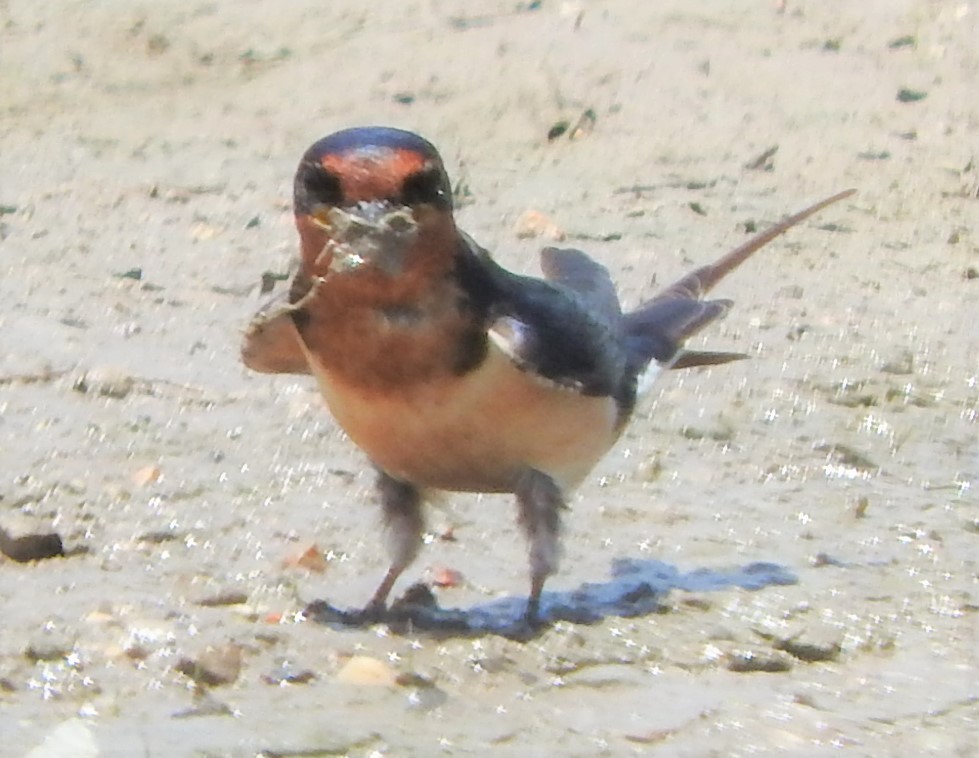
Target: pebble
810	647
532	223
423	695
747	661
225	597
204	706
107	381
364	670
31	547
49	644
214	667
146	475
901	364
443	576
285	673
306	555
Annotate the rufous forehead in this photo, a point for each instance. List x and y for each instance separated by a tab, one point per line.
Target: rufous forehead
374	172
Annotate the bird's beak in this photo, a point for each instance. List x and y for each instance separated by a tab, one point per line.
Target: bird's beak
368	234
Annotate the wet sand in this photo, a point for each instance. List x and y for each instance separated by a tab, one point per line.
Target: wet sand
796	534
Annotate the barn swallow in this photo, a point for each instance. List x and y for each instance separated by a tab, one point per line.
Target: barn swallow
449	371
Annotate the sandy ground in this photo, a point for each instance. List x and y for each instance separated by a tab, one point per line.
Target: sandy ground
833	475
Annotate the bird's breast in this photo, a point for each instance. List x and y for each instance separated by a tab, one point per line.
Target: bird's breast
476	431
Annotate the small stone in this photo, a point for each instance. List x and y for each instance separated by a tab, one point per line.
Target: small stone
763	162
157	44
136	274
413	679
907	95
821	559
284	673
106	381
810	646
102	616
747	661
227	597
719	431
49	644
146	475
204	706
845	455
532	223
442	576
364	670
31	547
307	556
159	536
214	667
874	155
203	231
557	129
900	365
797	332
135	653
584	126
907	40
651	737
447	534
695	602
424	694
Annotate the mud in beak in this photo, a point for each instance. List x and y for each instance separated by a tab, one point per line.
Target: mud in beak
368	234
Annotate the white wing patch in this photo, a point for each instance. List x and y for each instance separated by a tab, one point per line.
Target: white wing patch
647	378
516	340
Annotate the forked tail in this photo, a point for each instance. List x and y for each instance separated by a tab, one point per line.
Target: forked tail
659	327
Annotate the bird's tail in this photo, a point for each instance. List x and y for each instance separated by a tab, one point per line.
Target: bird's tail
657	330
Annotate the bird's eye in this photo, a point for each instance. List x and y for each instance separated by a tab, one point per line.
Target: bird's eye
430	186
320	186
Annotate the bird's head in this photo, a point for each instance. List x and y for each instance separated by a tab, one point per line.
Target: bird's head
374	204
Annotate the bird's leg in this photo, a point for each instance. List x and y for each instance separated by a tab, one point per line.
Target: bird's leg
401	511
539	503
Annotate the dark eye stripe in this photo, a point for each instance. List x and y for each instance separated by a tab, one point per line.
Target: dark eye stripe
324	185
317	185
427	186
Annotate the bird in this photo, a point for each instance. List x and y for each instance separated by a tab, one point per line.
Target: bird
449	371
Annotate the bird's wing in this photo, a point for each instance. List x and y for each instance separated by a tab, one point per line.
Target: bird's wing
546	328
590	280
271	342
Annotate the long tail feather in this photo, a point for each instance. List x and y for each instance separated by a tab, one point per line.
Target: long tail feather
658	328
698	283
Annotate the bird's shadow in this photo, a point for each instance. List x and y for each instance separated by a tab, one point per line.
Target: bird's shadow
636	588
